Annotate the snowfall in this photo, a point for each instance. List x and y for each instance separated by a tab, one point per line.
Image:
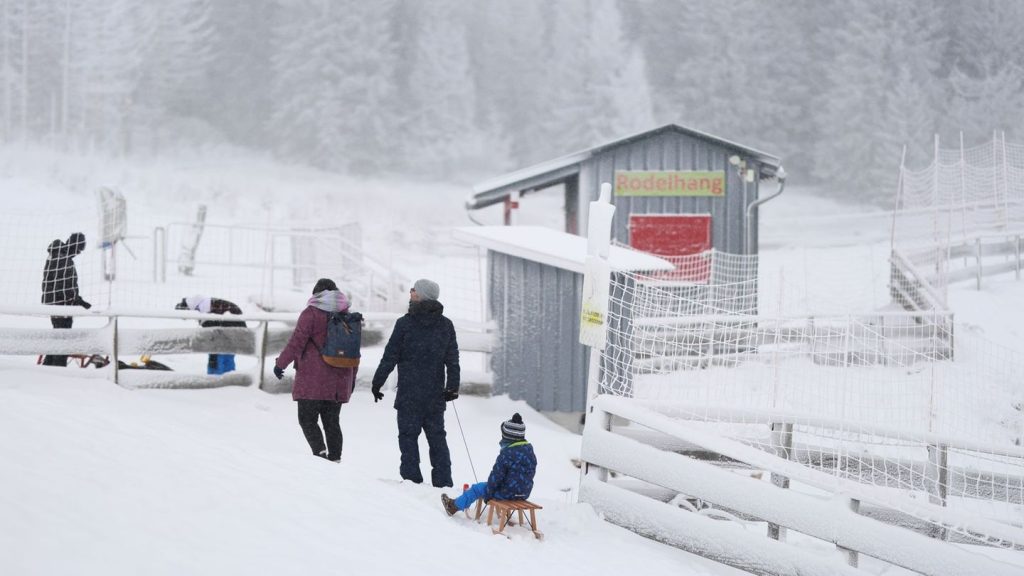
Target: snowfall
100	479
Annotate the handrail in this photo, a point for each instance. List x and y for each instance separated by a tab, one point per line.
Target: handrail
937	301
130	312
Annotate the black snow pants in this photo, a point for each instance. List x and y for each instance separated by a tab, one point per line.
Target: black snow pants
58	359
329	413
431	422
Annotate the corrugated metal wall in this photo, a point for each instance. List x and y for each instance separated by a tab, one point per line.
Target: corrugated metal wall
672	151
539	358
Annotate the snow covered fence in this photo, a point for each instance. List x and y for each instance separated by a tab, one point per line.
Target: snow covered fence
115	341
830	520
704	536
264	340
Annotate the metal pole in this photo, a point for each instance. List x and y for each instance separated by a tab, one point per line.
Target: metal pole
781	175
1006	187
899	196
163	255
963	191
263	352
977	256
1016	256
113	353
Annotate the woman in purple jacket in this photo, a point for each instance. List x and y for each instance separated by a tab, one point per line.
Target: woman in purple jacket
320	389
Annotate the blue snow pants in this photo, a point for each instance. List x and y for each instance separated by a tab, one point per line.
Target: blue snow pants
220	364
475	492
410	423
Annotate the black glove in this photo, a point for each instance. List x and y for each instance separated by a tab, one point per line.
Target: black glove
279	372
450	395
377	394
83	303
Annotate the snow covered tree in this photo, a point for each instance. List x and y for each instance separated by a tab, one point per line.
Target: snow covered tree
984	89
880	45
333	77
619	94
240	60
510	64
440	124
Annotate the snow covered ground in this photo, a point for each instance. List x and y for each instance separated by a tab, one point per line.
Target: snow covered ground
96	479
102	480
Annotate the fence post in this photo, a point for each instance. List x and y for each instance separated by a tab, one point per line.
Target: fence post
852	558
594	309
597	417
782	445
977	255
1016	256
937	480
262	353
113	353
158	241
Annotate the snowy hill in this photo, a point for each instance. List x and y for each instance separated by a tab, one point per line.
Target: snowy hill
101	480
97	479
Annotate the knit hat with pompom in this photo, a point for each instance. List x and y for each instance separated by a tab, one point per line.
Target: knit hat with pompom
513	429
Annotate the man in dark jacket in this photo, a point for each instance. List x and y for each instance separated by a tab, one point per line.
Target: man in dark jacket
424	348
511	477
60	285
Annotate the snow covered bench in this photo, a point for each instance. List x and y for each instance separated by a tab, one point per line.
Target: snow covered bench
505	509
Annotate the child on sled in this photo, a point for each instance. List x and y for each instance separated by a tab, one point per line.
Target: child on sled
511	477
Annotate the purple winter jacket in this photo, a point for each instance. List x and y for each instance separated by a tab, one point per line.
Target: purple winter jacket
314	378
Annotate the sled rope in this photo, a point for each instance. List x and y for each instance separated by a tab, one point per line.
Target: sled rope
471	467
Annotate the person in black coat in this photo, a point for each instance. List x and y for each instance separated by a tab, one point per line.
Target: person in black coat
60	285
216	363
424	348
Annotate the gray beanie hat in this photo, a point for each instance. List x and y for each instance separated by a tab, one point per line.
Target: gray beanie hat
513	428
427	289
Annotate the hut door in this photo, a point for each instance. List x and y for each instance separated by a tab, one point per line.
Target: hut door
675	235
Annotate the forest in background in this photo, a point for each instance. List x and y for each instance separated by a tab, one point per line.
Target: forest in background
447	89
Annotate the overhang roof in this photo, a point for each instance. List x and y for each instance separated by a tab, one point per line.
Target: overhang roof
555	171
554	248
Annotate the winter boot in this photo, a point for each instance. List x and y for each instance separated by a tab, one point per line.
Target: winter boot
449	505
322	454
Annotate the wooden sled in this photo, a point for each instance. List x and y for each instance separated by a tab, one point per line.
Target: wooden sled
505	509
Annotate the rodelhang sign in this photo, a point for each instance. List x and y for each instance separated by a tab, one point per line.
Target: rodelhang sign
671	183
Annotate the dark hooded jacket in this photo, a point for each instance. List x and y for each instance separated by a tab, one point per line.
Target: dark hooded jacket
60	279
511	477
424	348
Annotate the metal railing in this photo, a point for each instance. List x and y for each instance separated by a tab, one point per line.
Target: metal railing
116	341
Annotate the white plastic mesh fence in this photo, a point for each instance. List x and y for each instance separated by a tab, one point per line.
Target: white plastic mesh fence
461	271
26	240
947	210
272	268
875	398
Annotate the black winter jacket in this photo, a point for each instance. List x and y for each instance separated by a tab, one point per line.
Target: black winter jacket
221	306
60	279
424	348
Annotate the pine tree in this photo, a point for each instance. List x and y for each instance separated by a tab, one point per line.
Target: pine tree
440	126
240	60
619	98
510	62
307	112
984	89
